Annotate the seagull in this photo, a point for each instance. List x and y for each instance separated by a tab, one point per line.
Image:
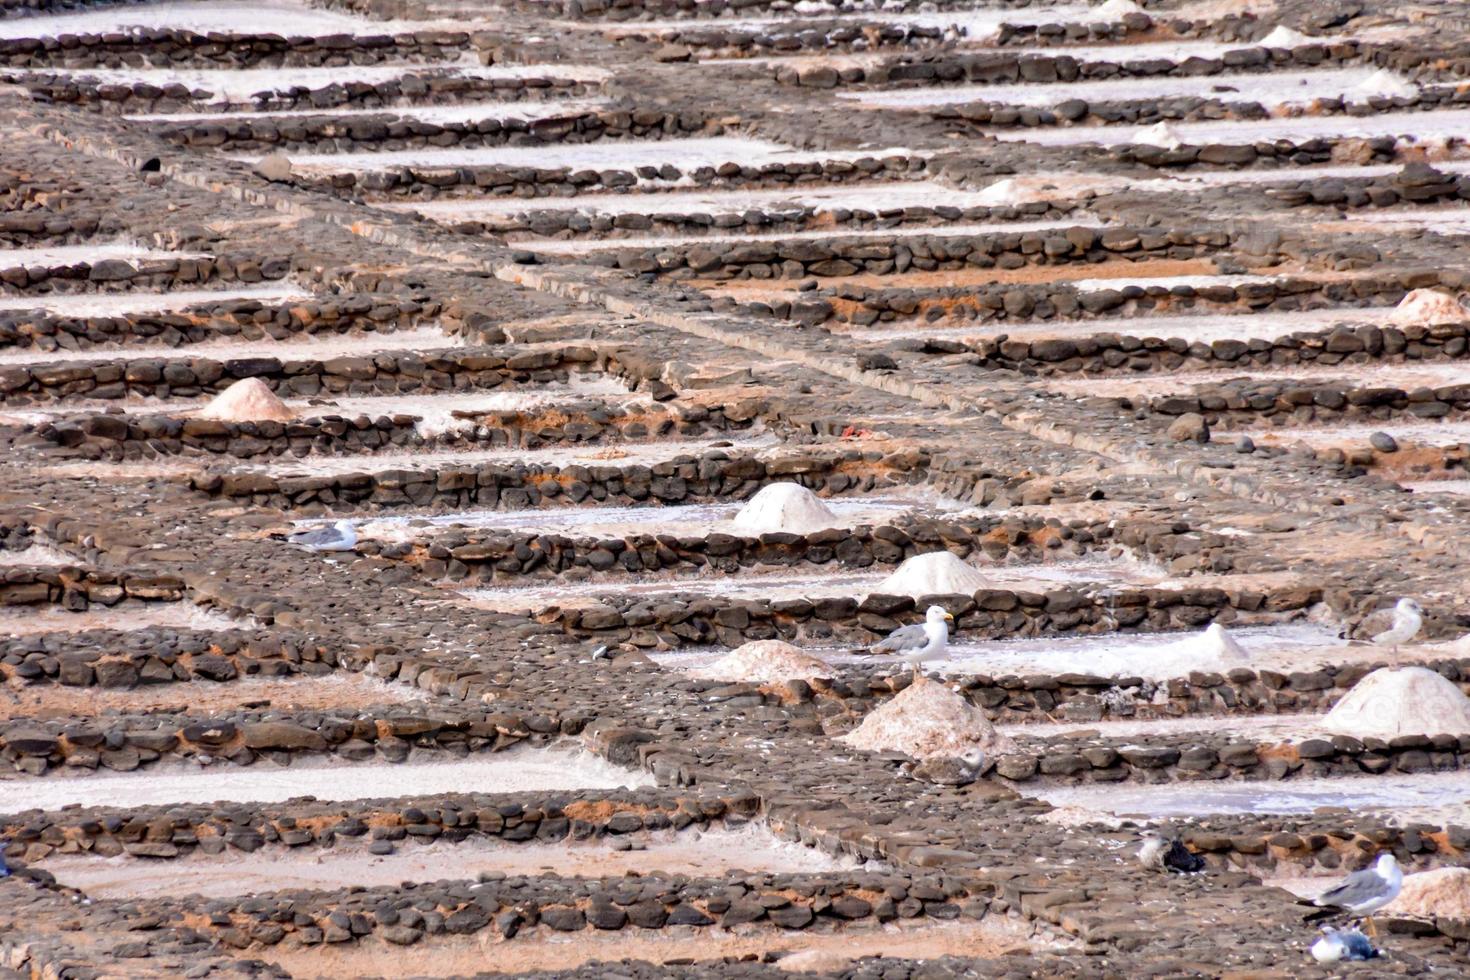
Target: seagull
1403	624
341	536
920	642
1343	944
1363	892
1160	853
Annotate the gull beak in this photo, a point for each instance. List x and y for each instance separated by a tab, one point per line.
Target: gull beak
948	617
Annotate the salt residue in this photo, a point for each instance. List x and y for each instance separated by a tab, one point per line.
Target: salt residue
1216	645
1428	308
1116	10
937	573
1391	702
249	400
1285	37
788	507
1384	84
927	720
1441	893
1160	134
765	660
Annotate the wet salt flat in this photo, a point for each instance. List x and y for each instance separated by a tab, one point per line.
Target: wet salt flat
872	197
301	347
121	304
678	519
752	848
1409	127
522	770
282	17
1431	797
687	154
974	22
1204	328
583	245
754	584
1273	89
1406	376
1442	433
463	112
1169	282
1146	655
30	620
61	255
242	85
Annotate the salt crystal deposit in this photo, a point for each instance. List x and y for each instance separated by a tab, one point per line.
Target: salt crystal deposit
937	573
762	661
1401	701
1384	84
1428	308
788	507
1441	893
1161	134
248	400
1116	10
1216	646
927	720
1284	37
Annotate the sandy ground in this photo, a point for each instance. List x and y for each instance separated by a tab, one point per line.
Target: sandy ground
120	304
541	949
523	770
692	853
306	693
23	621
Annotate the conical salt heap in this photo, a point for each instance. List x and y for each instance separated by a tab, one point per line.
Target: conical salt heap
763	661
1216	646
1285	37
1116	9
1401	701
937	573
1160	134
1443	893
248	400
1428	308
926	720
787	507
1384	84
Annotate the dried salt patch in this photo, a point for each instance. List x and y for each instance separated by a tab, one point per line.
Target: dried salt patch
765	660
927	720
1285	37
1015	191
1428	308
248	400
937	573
788	507
1160	134
1391	702
1383	84
1442	893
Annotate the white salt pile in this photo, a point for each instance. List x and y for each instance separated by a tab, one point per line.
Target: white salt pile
1441	893
1383	84
1285	37
937	573
1401	701
1160	134
1216	646
248	400
787	507
761	661
928	721
1015	191
1116	10
1428	308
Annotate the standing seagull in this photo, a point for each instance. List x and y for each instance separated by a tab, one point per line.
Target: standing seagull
1160	853
1364	892
920	642
1337	945
341	536
1391	627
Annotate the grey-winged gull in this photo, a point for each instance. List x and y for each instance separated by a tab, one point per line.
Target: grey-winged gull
1364	892
1391	627
341	536
920	642
1160	853
1343	945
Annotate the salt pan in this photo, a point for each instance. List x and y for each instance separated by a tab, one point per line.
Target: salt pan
785	507
1391	702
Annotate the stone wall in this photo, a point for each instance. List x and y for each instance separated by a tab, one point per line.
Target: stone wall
165	48
75	588
120	275
126	659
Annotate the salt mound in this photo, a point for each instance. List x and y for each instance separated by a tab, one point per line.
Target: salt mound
1401	701
937	573
765	660
1285	37
248	400
1160	134
786	507
1442	893
1383	84
928	721
1116	10
1428	308
1216	645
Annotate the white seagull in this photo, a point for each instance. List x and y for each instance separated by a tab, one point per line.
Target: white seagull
1337	945
1367	891
341	536
920	642
1408	619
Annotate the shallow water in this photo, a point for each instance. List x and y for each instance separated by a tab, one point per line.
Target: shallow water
522	770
